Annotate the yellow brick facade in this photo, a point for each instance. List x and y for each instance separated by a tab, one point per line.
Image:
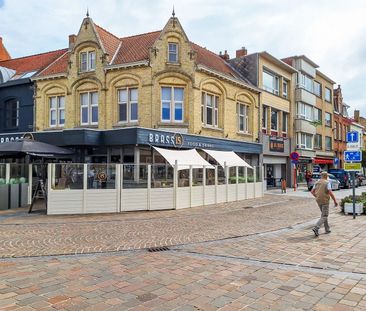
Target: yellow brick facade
148	78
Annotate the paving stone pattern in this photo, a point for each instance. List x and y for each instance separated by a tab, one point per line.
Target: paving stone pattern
245	259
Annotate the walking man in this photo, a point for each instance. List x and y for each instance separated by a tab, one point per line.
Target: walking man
322	191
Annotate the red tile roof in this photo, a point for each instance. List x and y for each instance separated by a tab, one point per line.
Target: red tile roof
57	67
136	48
4	55
110	41
33	62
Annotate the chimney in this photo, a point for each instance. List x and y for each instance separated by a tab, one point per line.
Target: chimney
224	56
72	39
356	115
241	52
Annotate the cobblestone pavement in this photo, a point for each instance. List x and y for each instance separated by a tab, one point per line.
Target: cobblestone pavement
274	263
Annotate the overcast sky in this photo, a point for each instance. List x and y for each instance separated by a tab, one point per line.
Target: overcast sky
332	33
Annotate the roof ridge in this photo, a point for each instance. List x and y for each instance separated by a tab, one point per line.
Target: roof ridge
107	31
65	49
141	34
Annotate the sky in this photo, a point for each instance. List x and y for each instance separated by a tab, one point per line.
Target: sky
332	33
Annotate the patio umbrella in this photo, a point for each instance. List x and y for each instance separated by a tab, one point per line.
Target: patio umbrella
36	148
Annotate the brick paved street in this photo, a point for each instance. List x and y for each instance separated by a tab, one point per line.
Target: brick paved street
228	257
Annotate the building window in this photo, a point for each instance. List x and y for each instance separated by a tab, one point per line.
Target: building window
89	108
317	115
128	105
304	141
336	135
11	113
210	110
172	104
328	143
243	117
274	120
173	53
264	119
328	95
328	119
285	89
270	82
304	111
318	141
317	89
284	122
87	61
57	111
305	82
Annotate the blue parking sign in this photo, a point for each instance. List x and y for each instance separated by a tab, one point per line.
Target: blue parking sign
352	137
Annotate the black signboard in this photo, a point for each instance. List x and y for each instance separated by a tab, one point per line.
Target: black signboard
276	144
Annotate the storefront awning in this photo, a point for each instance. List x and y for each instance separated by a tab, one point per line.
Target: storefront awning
184	158
228	158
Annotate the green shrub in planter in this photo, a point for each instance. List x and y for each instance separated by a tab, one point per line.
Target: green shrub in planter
2	181
358	199
22	180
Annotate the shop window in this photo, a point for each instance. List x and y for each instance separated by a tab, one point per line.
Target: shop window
87	61
128	105
89	108
243	117
172	102
11	114
57	111
210	110
172	52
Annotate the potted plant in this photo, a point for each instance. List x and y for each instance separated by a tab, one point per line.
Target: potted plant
360	204
4	194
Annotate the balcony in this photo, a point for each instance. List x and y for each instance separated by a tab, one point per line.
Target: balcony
304	126
306	97
305	67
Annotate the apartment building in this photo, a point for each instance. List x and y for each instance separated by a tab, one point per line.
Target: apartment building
276	79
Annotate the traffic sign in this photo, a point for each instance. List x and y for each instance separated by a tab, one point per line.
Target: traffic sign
353	146
352	137
294	156
352	166
336	161
353	156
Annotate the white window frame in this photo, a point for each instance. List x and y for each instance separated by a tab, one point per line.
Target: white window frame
330	119
325	143
317	92
277	119
316	116
172	104
57	110
214	105
302	139
89	106
305	82
243	116
285	117
285	88
265	118
87	64
305	111
330	95
176	53
128	104
275	88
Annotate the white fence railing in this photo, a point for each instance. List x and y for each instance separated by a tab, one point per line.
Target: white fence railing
107	188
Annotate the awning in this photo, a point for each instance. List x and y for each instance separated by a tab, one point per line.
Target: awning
228	158
184	158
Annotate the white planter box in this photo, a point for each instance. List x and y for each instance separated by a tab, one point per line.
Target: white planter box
348	208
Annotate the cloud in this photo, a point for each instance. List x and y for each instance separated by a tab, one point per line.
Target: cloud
331	33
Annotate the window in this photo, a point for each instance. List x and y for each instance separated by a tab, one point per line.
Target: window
328	119
317	89
285	89
57	111
173	53
264	119
243	117
172	104
304	141
270	82
89	108
328	143
336	135
210	110
305	82
317	115
304	111
87	61
11	113
318	141
274	120
128	105
284	122
328	95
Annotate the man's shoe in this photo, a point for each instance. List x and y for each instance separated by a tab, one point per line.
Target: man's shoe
316	231
327	232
